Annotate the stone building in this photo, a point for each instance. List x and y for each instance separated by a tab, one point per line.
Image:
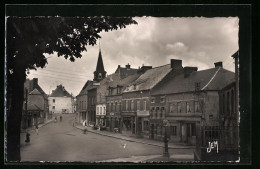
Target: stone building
35	108
117	84
60	101
137	99
189	99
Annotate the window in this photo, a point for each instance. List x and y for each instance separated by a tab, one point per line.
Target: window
171	108
100	110
115	106
111	108
162	99
132	105
162	108
173	130
188	107
144	105
152	100
157	108
97	110
53	107
126	105
108	107
138	104
152	108
53	100
197	106
179	107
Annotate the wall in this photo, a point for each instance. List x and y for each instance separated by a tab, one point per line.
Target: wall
60	103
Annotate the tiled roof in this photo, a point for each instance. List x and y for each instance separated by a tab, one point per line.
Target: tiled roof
60	91
209	79
149	79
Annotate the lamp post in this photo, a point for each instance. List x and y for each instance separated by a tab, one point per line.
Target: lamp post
165	149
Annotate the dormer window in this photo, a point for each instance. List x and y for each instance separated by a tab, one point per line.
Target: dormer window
197	86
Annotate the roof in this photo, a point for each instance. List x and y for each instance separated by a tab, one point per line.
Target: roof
33	107
60	91
124	72
35	92
149	79
31	85
209	79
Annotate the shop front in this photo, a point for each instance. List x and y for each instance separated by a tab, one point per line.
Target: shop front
156	129
143	123
114	122
128	123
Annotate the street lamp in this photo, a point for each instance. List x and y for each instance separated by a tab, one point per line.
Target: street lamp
165	149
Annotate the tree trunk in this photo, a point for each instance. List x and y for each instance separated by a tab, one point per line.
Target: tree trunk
15	97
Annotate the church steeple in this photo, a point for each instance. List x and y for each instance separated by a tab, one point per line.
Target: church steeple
100	72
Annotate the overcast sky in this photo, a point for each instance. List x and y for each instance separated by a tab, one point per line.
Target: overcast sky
153	41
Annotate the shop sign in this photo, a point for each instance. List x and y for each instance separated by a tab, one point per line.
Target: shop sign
142	113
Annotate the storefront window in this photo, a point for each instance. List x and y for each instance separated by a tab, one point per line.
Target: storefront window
173	130
146	125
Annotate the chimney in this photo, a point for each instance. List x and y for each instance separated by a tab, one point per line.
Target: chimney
189	70
218	64
35	82
119	66
176	64
128	66
145	68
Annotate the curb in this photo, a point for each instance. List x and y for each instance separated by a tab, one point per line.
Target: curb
130	140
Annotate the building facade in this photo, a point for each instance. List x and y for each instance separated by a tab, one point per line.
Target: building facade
35	108
60	101
189	99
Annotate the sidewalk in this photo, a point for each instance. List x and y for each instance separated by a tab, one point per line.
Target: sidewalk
39	125
134	139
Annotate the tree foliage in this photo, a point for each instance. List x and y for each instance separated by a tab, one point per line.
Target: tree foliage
28	39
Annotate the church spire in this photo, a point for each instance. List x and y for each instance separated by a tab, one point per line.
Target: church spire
100	72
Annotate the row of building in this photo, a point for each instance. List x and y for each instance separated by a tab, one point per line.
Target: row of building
137	101
39	107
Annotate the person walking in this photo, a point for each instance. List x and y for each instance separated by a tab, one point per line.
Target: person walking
60	118
37	129
55	119
27	140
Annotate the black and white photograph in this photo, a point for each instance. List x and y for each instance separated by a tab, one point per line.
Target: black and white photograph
139	89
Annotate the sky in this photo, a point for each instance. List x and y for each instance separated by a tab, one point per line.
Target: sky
197	41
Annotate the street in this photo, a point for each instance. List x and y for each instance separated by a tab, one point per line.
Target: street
62	142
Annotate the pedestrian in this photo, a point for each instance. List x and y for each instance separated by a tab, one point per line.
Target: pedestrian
55	119
60	118
37	129
27	140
